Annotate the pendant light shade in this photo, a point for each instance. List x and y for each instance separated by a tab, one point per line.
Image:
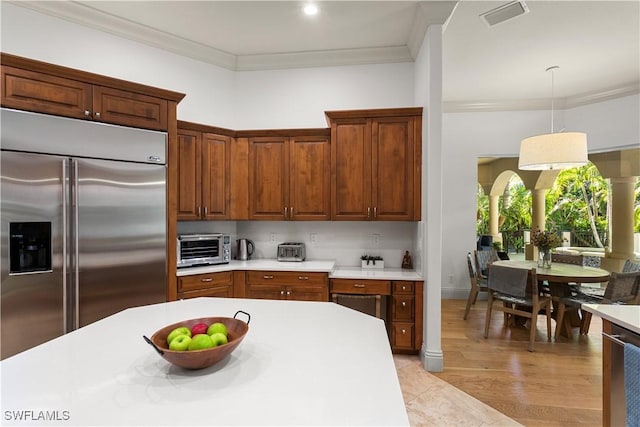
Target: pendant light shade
562	150
553	151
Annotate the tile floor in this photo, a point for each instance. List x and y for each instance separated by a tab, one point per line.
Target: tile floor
431	401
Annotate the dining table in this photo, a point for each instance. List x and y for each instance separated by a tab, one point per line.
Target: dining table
559	275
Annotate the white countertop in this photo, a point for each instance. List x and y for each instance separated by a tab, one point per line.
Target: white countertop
301	363
322	266
627	316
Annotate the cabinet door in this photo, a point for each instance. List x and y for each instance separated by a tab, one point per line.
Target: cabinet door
351	170
27	90
393	168
189	175
307	293
268	178
262	291
215	176
129	109
310	178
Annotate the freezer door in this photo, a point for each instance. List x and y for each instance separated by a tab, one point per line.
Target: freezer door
31	250
121	243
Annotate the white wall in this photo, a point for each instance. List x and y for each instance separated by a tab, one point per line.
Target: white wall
298	98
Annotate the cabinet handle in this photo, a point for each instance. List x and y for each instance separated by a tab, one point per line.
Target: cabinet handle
206	279
288	292
87	113
282	292
368	213
404	288
404	303
291	212
303	277
358	285
286	212
267	277
97	114
205	211
375	212
404	331
199	211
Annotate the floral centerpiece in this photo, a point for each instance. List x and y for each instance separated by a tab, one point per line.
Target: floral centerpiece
545	241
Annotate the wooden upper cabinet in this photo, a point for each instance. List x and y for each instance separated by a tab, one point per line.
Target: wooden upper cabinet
351	170
309	178
31	91
376	164
129	109
289	177
215	176
50	94
189	175
203	175
392	160
268	178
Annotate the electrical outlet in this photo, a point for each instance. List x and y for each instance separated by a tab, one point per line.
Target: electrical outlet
375	239
313	237
272	237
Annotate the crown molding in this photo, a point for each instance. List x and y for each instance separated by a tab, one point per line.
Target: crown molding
428	13
393	54
542	104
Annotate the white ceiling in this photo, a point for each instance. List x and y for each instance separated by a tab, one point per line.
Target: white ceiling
595	43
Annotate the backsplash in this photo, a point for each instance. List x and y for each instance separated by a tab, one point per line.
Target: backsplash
342	241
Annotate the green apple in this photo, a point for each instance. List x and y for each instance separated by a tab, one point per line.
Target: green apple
217	327
182	330
180	343
218	338
200	342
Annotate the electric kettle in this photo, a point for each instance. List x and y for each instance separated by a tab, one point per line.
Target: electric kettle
245	249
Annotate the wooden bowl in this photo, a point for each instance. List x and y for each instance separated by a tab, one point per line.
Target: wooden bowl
198	359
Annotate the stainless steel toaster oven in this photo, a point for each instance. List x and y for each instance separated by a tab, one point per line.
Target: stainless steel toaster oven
203	249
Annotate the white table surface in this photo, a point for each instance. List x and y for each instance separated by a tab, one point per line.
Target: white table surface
627	316
322	266
301	363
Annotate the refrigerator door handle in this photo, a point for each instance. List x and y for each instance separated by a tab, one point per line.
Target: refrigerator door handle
76	244
65	244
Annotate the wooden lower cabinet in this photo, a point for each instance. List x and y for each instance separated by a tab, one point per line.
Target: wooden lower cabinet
206	285
287	285
404	308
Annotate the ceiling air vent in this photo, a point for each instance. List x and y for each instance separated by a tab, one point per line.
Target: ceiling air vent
504	13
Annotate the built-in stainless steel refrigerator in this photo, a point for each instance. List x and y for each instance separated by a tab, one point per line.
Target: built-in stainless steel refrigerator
83	224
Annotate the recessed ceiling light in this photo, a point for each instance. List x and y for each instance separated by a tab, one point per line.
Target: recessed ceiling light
310	9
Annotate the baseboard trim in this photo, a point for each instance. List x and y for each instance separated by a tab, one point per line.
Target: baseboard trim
432	361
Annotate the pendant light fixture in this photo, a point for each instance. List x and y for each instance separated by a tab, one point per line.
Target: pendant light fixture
552	151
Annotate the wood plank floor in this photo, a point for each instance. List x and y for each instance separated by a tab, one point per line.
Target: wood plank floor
560	384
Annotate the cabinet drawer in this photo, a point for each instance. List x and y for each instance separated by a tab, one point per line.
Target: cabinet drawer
402	335
204	281
223	291
403	288
402	308
368	287
286	278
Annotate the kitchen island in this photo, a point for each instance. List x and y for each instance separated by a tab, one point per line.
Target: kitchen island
620	327
301	363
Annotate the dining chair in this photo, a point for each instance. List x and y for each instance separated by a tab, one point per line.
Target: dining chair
478	284
622	288
630	266
567	258
517	289
483	259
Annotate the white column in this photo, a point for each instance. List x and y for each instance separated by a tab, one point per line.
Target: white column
494	213
429	94
622	199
